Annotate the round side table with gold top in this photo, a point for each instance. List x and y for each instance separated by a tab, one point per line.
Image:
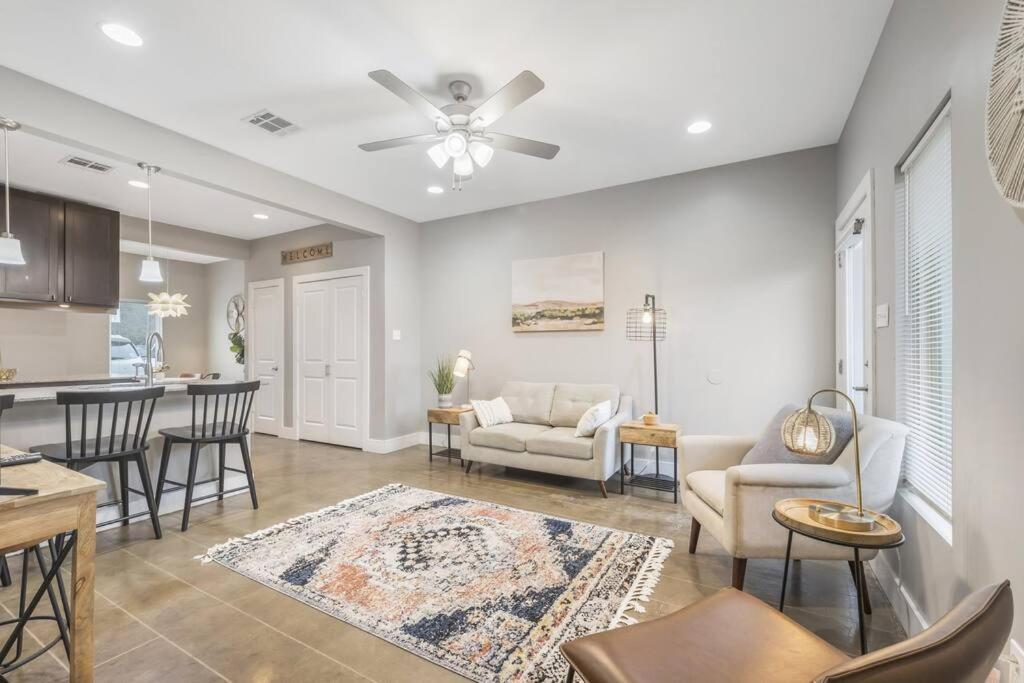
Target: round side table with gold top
798	516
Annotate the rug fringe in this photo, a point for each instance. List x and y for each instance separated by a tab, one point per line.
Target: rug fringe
644	584
231	543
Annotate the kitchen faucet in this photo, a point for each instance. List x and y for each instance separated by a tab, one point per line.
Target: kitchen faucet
155	336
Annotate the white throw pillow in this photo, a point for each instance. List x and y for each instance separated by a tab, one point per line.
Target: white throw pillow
490	413
595	416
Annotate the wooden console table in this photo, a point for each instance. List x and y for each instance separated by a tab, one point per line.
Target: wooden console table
66	502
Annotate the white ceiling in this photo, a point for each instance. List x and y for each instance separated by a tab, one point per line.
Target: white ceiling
623	82
35	165
157	251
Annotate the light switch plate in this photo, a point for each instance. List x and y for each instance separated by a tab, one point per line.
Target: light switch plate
882	315
396	335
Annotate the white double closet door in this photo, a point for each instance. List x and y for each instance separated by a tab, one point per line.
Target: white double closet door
331	360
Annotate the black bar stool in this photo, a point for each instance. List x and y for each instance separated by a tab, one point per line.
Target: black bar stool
110	446
231	405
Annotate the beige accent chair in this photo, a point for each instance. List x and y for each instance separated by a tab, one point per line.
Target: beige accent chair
543	437
732	637
734	502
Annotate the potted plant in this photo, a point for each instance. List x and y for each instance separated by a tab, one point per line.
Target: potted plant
443	379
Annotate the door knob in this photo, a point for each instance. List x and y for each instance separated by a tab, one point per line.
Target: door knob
274	368
864	388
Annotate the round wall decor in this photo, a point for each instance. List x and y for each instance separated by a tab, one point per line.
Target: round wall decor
236	313
1004	111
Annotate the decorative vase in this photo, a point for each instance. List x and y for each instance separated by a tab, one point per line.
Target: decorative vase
444	400
650	419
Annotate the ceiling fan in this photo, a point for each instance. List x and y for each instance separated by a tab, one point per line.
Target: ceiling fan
460	131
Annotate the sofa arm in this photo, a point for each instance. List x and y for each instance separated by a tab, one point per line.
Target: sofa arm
712	452
606	439
787	475
467	423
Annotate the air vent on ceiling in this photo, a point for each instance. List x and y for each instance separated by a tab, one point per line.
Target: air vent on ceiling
88	164
271	122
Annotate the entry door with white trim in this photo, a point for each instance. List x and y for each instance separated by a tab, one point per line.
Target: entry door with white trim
266	324
330	360
854	305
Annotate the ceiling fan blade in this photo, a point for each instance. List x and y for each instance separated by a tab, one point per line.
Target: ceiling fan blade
400	88
518	90
399	142
524	146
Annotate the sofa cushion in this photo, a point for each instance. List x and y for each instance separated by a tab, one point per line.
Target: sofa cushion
530	402
570	401
563	442
490	413
770	449
511	436
709	485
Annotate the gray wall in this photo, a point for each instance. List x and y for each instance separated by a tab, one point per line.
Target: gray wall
223	281
739	255
929	48
350	250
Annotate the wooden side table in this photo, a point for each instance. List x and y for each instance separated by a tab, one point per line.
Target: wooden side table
795	515
659	436
449	417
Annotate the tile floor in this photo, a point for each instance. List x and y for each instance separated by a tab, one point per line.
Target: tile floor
163	616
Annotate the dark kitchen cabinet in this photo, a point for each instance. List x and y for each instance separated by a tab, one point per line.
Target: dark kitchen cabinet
37	220
91	255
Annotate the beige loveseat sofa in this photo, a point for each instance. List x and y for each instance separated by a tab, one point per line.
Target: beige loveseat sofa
542	437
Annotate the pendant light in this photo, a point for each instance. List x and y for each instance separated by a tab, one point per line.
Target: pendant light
167	305
10	246
150	271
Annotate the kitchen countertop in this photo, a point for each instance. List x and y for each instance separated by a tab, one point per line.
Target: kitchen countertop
49	393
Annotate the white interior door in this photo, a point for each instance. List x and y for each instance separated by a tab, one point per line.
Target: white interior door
266	349
854	300
331	360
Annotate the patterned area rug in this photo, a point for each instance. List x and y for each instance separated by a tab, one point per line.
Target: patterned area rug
485	590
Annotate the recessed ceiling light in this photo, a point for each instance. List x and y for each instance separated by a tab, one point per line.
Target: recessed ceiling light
121	34
142	185
699	127
435	189
260	216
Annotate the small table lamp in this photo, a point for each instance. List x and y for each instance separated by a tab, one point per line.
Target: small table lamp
808	432
463	366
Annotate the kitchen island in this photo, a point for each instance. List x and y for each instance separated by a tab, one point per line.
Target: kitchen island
37	419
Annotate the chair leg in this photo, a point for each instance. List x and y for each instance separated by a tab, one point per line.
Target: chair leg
469	466
859	575
59	612
247	462
604	489
122	469
190	484
694	534
165	457
147	489
569	677
739	570
222	451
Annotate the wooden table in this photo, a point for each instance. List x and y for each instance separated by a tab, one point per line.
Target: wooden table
449	417
656	435
66	502
795	515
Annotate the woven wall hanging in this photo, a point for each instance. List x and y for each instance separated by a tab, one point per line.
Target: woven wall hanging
1004	114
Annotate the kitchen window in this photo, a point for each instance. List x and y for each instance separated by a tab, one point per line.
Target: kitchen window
925	316
129	328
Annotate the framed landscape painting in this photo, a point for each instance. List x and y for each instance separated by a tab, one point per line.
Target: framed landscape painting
557	294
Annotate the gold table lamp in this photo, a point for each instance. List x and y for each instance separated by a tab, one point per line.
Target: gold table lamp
808	432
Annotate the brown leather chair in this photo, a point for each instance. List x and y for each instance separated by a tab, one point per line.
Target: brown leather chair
732	637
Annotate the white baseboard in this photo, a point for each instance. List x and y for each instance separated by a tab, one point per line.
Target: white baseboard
907	610
289	433
391	445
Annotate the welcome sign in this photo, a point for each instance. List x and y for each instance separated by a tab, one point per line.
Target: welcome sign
307	253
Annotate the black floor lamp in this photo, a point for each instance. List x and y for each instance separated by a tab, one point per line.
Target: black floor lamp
648	324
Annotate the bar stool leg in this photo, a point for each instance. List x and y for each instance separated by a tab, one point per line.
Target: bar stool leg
190	484
5	573
248	472
122	475
222	452
147	489
59	612
165	456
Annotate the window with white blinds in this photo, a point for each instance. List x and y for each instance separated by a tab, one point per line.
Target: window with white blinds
925	315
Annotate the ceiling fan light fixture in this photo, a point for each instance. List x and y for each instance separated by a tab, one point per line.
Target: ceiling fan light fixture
438	154
455	143
481	153
463	165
